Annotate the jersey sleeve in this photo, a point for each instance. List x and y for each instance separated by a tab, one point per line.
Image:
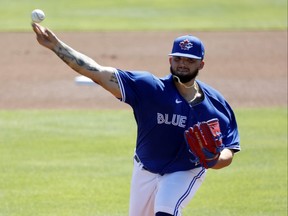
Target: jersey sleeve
231	138
135	85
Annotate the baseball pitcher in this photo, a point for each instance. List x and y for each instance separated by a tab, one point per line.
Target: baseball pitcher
184	126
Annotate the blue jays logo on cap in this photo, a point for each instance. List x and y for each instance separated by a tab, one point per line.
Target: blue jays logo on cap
188	46
185	44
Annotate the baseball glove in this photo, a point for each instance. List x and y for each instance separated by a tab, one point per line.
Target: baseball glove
204	142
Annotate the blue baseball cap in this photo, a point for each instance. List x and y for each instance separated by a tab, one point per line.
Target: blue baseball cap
188	46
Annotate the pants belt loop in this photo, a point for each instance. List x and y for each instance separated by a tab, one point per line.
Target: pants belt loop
137	159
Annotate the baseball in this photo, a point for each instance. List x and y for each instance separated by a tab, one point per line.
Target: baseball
37	15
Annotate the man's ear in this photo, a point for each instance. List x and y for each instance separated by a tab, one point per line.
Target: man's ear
201	65
170	60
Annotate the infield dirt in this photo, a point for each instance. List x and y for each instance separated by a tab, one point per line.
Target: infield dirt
248	68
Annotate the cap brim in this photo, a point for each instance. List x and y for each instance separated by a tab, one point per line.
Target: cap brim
185	55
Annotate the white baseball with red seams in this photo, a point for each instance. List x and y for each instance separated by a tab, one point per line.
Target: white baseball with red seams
37	15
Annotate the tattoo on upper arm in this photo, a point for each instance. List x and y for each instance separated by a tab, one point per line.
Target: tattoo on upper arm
113	78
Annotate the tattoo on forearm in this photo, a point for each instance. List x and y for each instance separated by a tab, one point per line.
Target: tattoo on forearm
69	58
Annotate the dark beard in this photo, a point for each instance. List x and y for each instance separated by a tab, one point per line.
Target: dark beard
185	78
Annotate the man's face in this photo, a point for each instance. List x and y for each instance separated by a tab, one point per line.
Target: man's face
184	68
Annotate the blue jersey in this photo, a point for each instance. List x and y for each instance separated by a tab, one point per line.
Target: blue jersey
162	116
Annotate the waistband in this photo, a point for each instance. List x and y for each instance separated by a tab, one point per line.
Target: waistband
137	159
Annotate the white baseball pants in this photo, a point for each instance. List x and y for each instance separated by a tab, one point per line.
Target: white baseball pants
170	193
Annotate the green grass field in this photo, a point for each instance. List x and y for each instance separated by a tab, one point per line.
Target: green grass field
79	163
127	15
65	162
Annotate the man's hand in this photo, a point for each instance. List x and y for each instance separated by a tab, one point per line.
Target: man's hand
45	37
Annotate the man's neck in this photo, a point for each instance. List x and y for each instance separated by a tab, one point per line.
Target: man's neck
190	91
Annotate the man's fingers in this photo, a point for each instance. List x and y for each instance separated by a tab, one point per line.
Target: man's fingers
49	34
37	29
40	31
